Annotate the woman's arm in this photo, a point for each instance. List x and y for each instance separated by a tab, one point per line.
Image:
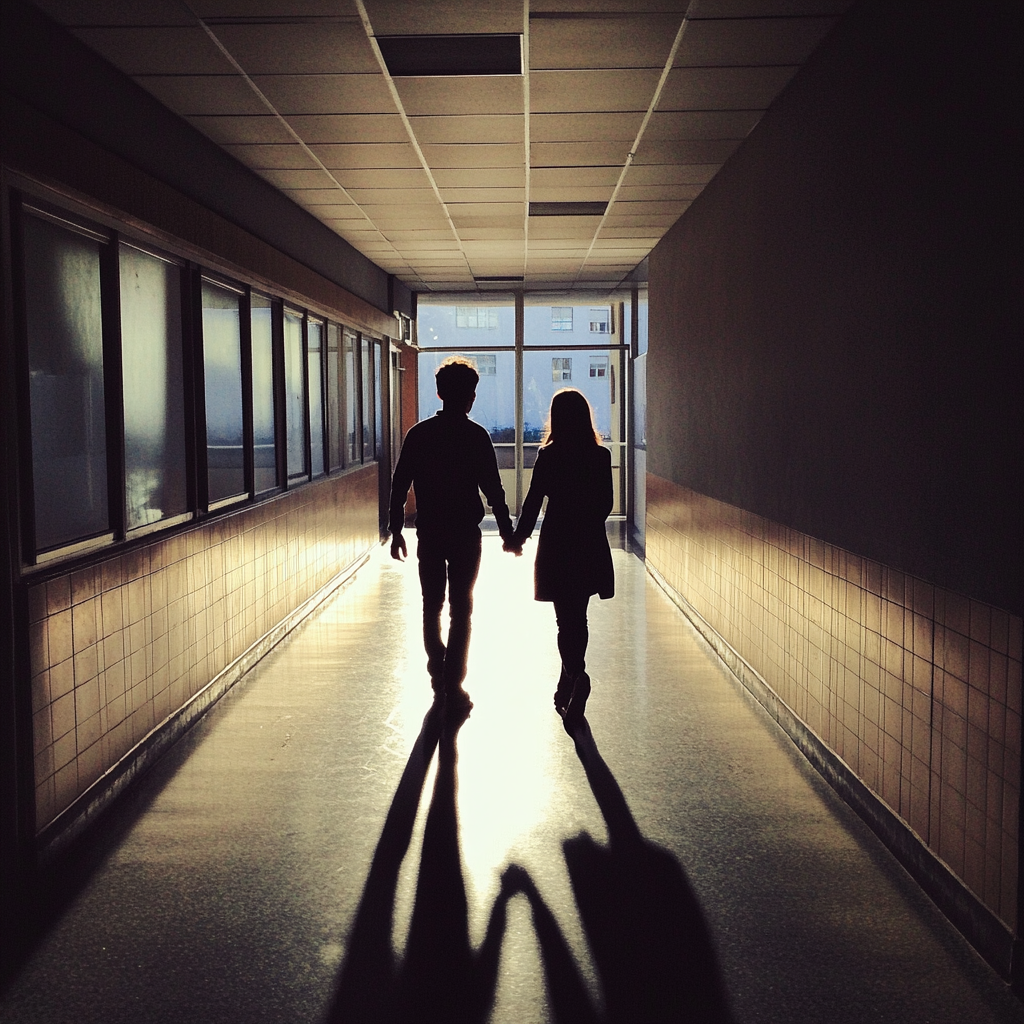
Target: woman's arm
534	500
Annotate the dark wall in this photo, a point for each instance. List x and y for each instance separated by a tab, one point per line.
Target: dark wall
836	323
46	66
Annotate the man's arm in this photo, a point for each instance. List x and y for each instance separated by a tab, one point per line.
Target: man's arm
400	484
489	481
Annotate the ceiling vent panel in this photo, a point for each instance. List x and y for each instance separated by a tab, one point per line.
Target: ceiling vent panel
451	56
567	209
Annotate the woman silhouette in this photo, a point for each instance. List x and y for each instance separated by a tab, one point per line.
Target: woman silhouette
573	470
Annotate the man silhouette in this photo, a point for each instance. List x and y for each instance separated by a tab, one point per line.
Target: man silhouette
449	459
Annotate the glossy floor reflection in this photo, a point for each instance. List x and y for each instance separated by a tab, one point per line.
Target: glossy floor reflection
321	848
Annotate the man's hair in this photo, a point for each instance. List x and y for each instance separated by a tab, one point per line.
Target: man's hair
456	380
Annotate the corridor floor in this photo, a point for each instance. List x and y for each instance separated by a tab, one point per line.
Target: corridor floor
300	856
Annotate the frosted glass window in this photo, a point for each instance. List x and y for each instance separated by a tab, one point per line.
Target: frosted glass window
315	341
366	352
378	401
154	408
65	357
335	378
352	413
263	424
222	371
295	394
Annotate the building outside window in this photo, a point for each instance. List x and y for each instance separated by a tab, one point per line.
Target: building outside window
479	318
486	365
561	368
561	318
598	366
600	321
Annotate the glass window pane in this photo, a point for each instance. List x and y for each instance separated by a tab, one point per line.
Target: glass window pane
641	310
154	408
295	394
477	320
352	413
366	351
263	426
65	357
334	381
222	371
314	337
377	401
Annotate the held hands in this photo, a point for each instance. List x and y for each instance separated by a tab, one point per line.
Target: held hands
514	545
398	548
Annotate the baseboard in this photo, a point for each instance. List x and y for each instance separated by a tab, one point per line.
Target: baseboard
76	819
985	932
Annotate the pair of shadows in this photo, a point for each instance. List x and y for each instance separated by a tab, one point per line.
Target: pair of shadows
650	943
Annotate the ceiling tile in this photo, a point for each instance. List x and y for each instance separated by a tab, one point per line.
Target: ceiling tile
563	177
634	41
655	193
483	195
116	12
579	154
723	88
367	155
333	197
478	95
444	17
564	227
509	234
158	51
298	179
227	130
327	94
468	211
671	174
270	9
402	238
557	91
480	177
694	151
651	208
259	157
584	127
752	42
380	196
466	220
616	218
476	155
324	129
480	128
685	125
406	216
319	48
204	94
571	194
379	178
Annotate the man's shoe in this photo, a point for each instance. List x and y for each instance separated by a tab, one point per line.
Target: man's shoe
578	702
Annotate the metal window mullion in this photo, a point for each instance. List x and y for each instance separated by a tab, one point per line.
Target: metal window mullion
519	324
248	426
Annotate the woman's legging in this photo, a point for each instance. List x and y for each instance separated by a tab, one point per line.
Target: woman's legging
571	617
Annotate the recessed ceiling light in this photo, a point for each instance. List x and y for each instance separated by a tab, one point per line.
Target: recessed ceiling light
567	209
451	56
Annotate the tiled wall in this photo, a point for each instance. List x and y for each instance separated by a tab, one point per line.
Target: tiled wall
916	688
118	647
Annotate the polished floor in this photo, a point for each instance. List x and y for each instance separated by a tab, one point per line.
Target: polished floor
322	847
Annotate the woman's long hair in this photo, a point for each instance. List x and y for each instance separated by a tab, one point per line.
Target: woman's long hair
570	421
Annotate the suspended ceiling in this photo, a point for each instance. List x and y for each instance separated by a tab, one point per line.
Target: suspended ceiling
633	106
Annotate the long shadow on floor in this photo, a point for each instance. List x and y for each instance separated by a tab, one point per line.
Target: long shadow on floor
650	943
441	977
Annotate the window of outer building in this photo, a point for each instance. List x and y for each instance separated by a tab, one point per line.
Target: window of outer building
152	370
315	345
600	321
264	431
353	413
64	318
222	374
295	395
561	368
335	398
598	366
368	382
486	365
561	318
480	318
